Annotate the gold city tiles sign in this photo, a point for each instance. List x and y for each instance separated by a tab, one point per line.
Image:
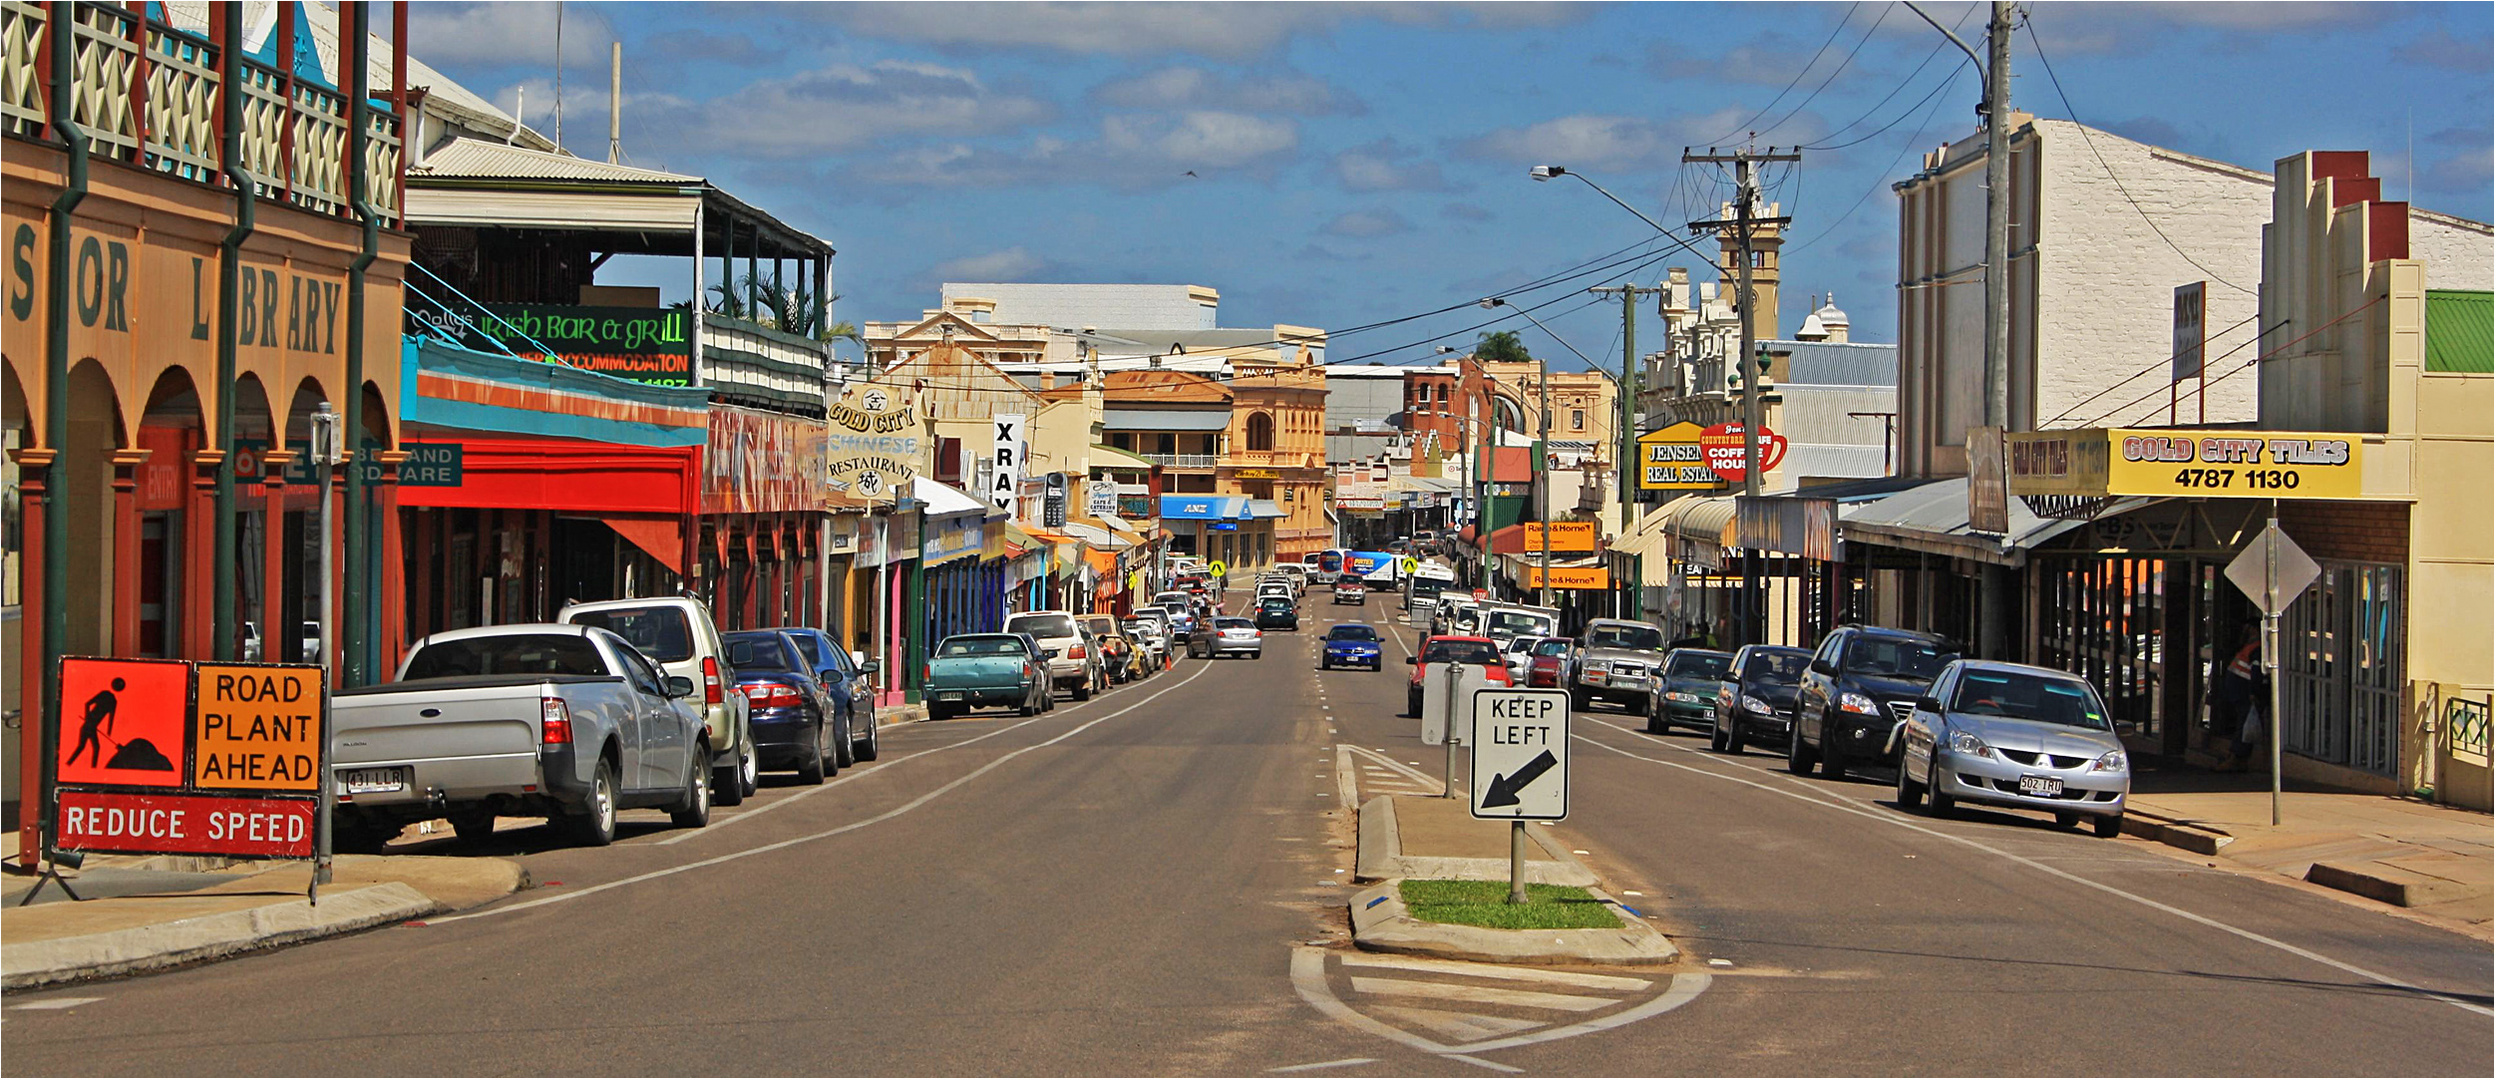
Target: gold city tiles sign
2160	461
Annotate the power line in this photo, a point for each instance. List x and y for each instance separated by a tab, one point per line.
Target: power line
1894	91
1796	80
2057	82
1833	72
1881	177
2169	362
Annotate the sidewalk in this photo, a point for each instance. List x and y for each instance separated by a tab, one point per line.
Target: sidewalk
149	913
2438	861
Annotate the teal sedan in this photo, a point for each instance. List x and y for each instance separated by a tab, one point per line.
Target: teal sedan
978	671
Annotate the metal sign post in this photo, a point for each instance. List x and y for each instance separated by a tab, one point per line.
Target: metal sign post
2274	571
1520	765
1447	726
325	462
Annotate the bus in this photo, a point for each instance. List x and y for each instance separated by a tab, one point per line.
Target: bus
1324	565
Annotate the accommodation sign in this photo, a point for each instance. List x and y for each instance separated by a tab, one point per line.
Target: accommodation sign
649	345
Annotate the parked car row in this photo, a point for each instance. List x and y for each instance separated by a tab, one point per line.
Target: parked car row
615	705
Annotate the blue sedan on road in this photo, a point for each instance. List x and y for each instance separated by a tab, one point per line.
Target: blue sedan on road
1352	645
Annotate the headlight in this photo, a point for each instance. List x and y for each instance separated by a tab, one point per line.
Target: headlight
1755	705
2114	761
1966	742
1857	703
1679	696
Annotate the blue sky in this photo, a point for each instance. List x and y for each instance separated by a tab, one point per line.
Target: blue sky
1363	162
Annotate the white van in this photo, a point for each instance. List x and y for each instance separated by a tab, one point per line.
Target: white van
677	634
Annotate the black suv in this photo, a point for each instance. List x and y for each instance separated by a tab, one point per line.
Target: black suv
1860	684
1277	613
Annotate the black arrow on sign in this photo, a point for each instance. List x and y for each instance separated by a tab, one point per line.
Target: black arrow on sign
1503	789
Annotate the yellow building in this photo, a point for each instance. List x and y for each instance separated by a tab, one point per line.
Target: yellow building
1276	453
1584	409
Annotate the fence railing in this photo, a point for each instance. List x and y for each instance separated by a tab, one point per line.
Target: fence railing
1183	461
150	94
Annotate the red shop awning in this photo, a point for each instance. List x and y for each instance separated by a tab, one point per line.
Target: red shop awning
662	537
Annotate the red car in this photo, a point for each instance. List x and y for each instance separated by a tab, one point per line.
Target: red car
1446	649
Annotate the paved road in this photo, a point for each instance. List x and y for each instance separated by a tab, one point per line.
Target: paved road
1128	886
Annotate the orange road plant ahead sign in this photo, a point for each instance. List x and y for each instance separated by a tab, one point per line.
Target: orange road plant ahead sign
177	757
259	728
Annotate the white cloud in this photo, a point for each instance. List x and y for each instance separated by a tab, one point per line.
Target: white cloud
1012	264
1228	30
1198	139
845	107
1130	150
2078	29
1182	86
1387	165
1600	142
450	35
1365	224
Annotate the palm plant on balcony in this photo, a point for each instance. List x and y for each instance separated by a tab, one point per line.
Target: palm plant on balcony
789	311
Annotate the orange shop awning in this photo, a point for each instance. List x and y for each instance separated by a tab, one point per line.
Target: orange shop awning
662	537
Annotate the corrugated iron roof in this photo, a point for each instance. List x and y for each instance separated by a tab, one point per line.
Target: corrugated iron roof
1837	363
476	159
2460	338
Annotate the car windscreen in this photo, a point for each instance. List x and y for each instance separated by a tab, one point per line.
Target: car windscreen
660	632
1782	668
2067	702
1694	665
762	652
980	646
1233	622
510	654
1634	638
1459	652
1902	658
1505	623
1276	603
1043	627
1352	633
1553	646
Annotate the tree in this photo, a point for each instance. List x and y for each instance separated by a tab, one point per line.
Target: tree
1501	345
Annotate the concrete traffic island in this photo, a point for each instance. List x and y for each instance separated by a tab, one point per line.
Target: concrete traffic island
57	943
1419	837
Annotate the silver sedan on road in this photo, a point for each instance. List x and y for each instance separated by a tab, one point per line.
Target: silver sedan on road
2014	735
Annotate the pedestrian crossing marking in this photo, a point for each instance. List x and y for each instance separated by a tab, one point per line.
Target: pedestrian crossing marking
1480	995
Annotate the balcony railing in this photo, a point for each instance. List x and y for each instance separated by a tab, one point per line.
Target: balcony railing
1183	461
761	366
150	94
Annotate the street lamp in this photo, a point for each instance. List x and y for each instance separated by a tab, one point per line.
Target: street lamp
325	458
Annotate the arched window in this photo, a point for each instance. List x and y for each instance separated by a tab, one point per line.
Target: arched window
1260	431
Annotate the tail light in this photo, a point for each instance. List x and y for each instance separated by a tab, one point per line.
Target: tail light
1075	652
927	673
1028	673
711	692
554	721
773	695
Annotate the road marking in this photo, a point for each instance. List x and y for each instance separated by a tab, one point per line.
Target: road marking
1463	1027
56	1003
827	833
1308	978
1901	822
1338	1064
1497	971
1479	995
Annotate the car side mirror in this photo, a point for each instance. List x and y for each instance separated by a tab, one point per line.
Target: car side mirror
1925	704
1413	660
1824	667
679	686
858	659
1048	654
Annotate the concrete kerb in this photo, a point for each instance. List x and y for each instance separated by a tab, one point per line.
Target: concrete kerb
1381	923
2198	839
208	937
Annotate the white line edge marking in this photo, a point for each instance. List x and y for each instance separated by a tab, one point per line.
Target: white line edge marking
888	815
1341	1063
2155	905
1308	976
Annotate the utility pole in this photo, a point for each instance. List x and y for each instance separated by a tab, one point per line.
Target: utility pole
1542	471
1745	200
1998	219
1627	389
615	104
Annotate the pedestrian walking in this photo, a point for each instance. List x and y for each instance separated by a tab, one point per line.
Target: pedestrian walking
2236	703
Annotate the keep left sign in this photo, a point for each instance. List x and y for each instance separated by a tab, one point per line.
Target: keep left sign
259	729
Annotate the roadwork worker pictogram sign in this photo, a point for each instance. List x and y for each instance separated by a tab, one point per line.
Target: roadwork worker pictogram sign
123	722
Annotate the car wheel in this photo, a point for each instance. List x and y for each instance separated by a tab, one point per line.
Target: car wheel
1083	689
1028	709
1716	736
473	825
2064	819
1733	739
1324	664
1798	758
845	741
811	770
696	812
727	789
1910	793
1580	700
750	773
1938	800
1832	764
869	748
939	712
2107	826
1412	704
595	826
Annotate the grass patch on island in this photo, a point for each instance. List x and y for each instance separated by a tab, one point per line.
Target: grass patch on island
1485	903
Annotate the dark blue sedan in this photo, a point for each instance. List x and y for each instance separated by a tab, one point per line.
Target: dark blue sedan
1352	645
796	725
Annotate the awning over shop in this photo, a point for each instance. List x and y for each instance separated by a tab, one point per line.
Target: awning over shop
939	499
1098	536
1110	457
1933	519
1266	508
1204	508
1705	519
662	537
